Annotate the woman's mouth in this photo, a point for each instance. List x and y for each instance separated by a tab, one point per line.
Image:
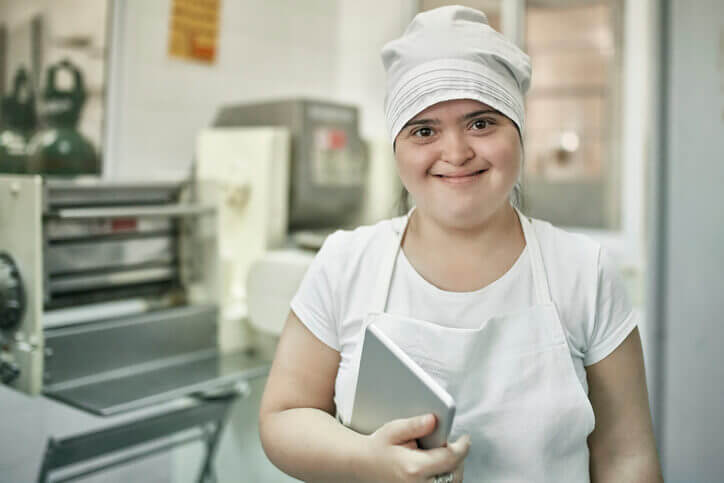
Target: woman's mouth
460	178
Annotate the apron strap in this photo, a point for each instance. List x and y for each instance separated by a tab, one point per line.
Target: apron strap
540	280
382	290
387	268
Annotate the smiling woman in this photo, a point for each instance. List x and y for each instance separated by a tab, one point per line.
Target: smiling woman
452	144
527	326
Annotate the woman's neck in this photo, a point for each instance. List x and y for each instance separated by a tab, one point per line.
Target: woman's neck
464	259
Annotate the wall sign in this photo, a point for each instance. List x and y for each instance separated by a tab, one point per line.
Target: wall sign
194	29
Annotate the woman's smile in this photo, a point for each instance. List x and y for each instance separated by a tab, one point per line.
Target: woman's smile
460	178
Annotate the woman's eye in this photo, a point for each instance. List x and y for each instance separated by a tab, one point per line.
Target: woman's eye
480	123
423	132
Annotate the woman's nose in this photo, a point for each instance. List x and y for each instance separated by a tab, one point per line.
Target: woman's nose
456	149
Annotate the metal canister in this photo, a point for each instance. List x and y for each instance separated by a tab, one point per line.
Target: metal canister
17	122
59	148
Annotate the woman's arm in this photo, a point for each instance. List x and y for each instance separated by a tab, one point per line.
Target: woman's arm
622	445
301	436
296	419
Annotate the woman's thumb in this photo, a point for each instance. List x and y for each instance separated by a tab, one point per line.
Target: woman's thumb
404	430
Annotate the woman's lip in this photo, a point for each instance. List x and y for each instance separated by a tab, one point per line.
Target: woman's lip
460	179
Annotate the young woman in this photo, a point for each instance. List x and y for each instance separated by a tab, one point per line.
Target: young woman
525	325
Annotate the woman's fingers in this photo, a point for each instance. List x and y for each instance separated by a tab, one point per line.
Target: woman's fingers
410	444
448	458
402	431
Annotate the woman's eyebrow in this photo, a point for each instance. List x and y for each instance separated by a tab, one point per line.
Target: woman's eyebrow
473	114
418	122
470	115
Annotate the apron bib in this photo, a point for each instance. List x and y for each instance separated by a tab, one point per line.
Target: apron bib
512	378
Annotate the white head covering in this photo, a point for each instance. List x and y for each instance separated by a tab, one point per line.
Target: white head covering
452	53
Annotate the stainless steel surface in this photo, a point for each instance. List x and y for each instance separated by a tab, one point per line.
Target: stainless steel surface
74	283
78	243
57	230
133	211
328	158
107	254
109	348
133	391
64	193
92	312
89	452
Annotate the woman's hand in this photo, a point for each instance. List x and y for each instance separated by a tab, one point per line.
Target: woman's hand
392	453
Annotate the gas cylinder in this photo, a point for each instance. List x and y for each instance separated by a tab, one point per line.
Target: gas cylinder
17	122
58	148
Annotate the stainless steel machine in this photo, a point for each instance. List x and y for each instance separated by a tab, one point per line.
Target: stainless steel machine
328	159
107	301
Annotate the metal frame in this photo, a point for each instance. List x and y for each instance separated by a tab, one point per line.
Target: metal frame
3	57
207	416
656	202
112	111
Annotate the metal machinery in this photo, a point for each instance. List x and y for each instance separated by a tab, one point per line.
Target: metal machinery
305	169
107	303
328	160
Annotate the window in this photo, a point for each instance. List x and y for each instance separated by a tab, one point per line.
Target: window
571	174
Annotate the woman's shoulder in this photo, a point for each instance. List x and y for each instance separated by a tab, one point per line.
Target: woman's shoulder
571	261
560	246
362	244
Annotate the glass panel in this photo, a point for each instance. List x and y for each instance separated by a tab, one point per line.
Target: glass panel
571	172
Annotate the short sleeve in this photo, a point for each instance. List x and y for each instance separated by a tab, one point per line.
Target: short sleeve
314	303
614	317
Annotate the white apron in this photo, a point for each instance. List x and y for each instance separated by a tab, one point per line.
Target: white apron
513	380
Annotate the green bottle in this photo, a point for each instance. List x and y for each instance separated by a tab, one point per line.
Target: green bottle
17	122
58	149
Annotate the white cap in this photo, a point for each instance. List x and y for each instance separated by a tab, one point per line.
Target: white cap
452	53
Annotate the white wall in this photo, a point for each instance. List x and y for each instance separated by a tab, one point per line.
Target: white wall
271	48
364	28
693	237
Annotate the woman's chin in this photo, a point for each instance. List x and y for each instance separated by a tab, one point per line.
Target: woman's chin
466	214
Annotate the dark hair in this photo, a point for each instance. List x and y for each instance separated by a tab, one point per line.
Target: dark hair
516	196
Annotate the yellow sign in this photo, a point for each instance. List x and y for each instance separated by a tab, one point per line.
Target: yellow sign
194	29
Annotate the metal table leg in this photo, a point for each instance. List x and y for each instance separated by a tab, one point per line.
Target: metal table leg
208	415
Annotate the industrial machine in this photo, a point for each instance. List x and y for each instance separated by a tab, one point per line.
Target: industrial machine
120	296
108	303
328	160
303	169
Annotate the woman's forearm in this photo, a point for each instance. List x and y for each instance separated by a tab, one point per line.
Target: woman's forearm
642	468
311	445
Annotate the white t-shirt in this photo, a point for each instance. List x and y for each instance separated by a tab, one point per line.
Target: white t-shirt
336	292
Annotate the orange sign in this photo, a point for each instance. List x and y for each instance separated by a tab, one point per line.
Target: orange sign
194	29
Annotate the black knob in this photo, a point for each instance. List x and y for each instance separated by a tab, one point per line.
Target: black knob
12	294
8	372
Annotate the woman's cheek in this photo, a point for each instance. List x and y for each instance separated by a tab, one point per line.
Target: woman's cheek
412	171
506	158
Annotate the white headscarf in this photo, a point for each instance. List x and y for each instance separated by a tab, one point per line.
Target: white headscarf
452	53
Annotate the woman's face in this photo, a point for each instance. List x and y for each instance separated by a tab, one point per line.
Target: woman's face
459	160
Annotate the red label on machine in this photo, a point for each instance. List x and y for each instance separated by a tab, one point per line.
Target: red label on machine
124	224
331	139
